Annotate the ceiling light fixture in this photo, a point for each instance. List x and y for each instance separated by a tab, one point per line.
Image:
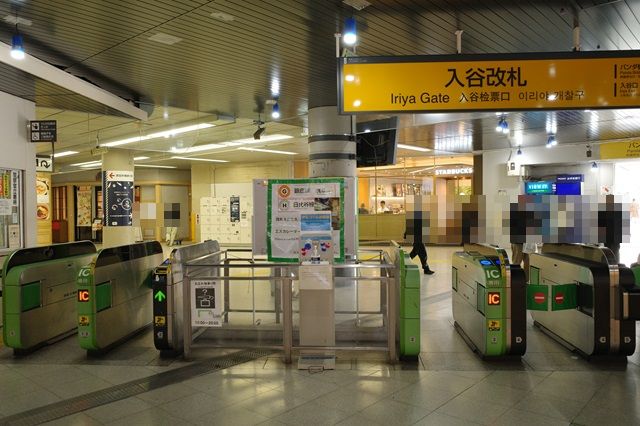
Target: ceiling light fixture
269	151
209	160
349	34
17	46
163	134
275	111
552	141
227	144
153	166
413	148
85	163
64	154
503	126
140	158
594	167
519	151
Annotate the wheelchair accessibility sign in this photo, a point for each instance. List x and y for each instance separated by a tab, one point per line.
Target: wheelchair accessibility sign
205	303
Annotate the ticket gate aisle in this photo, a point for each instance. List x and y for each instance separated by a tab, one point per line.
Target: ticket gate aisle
489	301
168	293
114	294
581	297
38	304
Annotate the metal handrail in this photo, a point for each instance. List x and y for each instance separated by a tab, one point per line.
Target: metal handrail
285	274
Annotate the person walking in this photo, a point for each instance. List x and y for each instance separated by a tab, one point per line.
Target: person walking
419	248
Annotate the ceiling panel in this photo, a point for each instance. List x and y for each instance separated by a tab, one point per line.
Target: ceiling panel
226	67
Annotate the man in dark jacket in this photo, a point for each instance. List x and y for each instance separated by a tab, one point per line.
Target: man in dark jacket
418	248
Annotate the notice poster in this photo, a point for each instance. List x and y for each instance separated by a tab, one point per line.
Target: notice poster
117	197
43	196
84	196
206	303
287	200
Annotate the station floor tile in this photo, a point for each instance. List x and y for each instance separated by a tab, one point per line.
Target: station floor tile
450	385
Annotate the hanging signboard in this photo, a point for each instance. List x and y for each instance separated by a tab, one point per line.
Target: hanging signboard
44	163
287	200
496	82
43	131
118	198
614	150
206	303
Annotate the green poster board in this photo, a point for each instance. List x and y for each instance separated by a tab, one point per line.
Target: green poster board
287	199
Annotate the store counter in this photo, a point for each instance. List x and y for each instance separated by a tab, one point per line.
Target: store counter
383	226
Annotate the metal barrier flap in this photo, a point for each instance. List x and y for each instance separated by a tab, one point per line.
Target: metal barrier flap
558	297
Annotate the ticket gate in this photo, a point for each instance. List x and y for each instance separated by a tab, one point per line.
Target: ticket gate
114	294
38	305
579	295
168	293
489	301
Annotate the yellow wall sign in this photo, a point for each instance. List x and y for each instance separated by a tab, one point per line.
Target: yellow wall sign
614	150
575	80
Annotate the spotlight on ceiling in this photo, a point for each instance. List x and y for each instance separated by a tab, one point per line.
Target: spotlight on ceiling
349	36
17	46
551	141
275	111
519	151
594	167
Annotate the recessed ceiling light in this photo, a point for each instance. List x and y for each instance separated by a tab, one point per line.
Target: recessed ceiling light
64	154
221	16
413	148
210	160
140	158
269	151
153	166
165	134
13	20
165	38
86	163
236	142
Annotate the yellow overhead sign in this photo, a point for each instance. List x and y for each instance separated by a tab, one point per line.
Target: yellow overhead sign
575	80
613	150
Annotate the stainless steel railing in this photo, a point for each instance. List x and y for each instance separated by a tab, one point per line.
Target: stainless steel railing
281	277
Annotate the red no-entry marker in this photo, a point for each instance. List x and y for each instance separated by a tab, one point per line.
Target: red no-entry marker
539	297
559	298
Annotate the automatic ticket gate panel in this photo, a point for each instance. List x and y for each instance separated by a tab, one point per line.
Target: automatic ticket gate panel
114	294
168	294
489	303
593	288
40	293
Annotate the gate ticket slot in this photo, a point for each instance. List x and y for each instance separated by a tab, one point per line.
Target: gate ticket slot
578	295
489	301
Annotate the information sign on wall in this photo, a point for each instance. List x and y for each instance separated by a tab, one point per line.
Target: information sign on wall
499	82
206	303
118	198
44	163
43	131
288	199
542	187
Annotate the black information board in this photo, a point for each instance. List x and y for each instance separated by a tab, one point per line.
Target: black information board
43	131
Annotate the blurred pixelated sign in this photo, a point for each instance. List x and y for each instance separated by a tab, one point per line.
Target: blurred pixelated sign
43	131
615	150
495	82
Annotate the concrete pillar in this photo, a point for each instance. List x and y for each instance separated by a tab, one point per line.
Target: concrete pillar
332	152
117	160
332	148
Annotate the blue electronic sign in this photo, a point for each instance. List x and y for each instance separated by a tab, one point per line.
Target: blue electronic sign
542	187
